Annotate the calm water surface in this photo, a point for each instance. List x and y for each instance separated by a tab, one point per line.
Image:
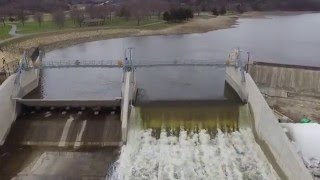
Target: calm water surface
290	39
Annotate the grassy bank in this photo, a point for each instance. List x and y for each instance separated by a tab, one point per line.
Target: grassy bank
4	31
31	27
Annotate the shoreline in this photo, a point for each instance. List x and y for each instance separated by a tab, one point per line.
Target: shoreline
50	41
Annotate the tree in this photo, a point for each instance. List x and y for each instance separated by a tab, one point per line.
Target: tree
73	15
239	8
158	6
188	13
108	10
90	11
22	17
215	12
59	18
3	16
124	11
3	19
180	14
138	9
166	16
79	17
223	10
38	17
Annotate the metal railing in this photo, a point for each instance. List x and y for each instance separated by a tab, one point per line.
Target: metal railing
137	63
79	63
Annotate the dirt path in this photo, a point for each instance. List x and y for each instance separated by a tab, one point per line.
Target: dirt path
13	31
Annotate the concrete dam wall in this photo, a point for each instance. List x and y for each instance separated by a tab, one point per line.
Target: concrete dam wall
268	134
286	80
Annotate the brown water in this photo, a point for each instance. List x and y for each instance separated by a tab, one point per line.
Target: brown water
191	117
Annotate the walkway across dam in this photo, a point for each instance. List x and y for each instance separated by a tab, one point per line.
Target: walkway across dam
137	63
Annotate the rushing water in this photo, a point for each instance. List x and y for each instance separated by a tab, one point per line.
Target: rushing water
188	142
193	156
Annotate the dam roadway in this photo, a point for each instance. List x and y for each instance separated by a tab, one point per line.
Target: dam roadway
48	141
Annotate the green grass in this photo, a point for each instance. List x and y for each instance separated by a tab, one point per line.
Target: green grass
4	30
47	26
116	22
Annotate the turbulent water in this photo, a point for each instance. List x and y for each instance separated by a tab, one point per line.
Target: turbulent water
192	156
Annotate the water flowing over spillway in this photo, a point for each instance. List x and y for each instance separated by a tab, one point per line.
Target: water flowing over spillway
192	155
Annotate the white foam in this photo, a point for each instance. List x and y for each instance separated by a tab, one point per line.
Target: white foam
193	156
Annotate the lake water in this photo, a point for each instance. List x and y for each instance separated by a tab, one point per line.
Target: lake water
289	39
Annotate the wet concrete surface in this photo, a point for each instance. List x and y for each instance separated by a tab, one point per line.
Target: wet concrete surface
66	127
61	143
43	163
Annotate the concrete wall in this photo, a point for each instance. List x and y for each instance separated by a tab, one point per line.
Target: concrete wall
7	107
270	136
234	79
11	89
279	80
29	80
125	105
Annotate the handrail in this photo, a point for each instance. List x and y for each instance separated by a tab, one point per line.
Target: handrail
137	63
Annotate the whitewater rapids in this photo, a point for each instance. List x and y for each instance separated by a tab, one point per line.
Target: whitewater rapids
192	156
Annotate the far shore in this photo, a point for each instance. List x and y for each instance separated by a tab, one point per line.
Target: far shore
60	39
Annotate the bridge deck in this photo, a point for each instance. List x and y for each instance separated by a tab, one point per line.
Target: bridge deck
137	63
53	128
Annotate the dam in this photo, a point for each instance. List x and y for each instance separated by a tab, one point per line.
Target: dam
173	120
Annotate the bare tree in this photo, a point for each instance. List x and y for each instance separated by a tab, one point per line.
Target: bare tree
124	10
73	15
139	9
59	18
79	16
92	11
38	17
3	19
158	7
109	9
3	16
22	17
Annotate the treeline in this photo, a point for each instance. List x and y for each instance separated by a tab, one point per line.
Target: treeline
32	6
180	14
169	10
260	5
197	5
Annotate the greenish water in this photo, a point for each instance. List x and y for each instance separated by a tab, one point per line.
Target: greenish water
190	117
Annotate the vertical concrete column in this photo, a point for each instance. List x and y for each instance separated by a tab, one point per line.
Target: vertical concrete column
125	105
